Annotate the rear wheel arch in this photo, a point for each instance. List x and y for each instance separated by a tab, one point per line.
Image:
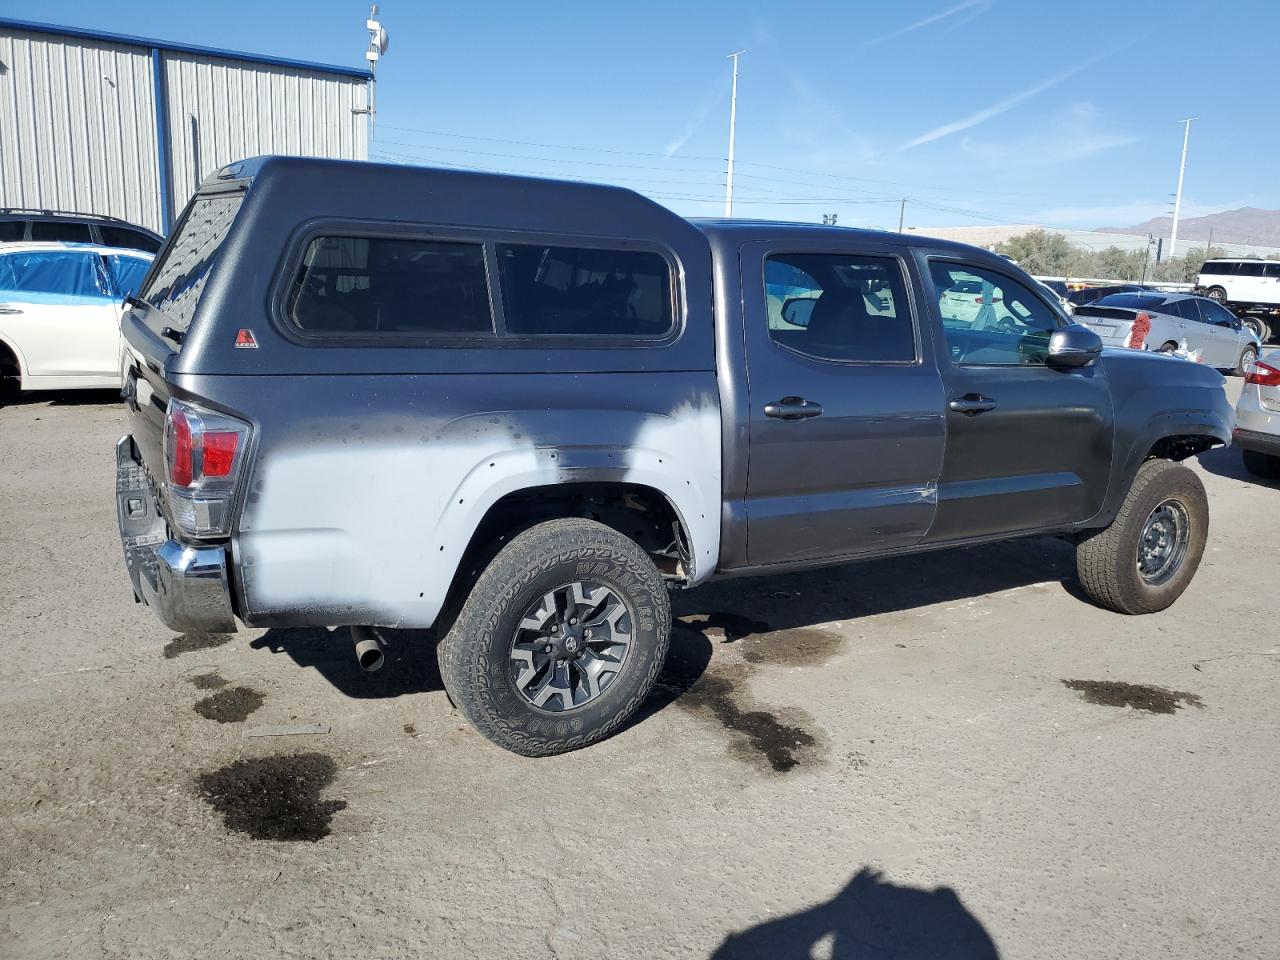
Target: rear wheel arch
12	367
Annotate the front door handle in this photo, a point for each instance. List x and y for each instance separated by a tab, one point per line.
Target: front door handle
9	310
972	404
792	408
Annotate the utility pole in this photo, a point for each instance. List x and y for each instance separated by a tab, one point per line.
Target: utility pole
902	213
1177	198
377	47
1209	244
733	126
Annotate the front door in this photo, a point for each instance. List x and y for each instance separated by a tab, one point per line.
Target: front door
1226	332
1028	445
846	425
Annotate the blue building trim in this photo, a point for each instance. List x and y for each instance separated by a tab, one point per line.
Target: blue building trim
162	139
357	72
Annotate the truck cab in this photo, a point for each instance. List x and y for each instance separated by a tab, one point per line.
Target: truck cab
521	411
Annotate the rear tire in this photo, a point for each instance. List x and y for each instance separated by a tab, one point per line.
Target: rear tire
495	661
1247	356
1263	465
1144	561
1256	327
1217	293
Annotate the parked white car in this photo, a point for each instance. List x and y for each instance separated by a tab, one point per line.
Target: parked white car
60	308
1257	431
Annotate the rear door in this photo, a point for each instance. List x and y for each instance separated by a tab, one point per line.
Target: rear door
1028	446
1216	342
846	425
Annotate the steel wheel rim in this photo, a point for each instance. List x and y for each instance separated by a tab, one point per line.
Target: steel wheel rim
570	646
1163	544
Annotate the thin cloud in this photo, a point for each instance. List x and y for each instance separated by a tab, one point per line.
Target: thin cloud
1000	106
976	6
709	102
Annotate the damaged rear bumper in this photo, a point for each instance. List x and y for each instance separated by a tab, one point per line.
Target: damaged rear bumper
187	587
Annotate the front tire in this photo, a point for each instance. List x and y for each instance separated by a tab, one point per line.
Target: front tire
1263	465
1144	561
560	640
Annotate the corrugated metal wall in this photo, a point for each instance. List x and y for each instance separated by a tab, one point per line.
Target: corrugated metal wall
78	124
244	109
77	127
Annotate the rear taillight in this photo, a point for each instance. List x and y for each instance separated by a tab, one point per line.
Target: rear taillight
1263	374
204	454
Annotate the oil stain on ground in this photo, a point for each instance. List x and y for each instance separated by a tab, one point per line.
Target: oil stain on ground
760	643
207	681
274	798
1114	693
759	735
190	642
230	706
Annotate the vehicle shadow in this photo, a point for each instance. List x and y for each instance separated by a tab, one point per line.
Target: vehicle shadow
870	919
724	611
62	398
1227	462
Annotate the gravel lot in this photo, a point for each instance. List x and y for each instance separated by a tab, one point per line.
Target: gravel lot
896	759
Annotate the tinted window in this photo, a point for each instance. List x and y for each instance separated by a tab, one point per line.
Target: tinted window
1250	268
837	307
177	283
1217	267
53	230
1005	323
1271	269
376	285
129	239
1185	308
54	272
585	292
12	230
126	273
1216	313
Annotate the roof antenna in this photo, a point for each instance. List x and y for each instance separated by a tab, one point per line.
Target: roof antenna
378	41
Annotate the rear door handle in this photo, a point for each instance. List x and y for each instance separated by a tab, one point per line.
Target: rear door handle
972	403
792	408
9	310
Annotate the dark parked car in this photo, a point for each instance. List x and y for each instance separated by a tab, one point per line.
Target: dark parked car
1087	295
521	410
25	225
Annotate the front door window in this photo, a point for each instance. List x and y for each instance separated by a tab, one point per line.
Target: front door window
990	318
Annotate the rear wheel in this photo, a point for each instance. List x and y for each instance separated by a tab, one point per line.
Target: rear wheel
1256	327
560	640
1247	357
1144	561
1217	293
1263	465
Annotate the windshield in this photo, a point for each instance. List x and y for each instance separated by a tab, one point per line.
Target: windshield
178	281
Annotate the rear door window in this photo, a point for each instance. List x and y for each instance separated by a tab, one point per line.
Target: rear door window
1251	268
1272	270
376	286
55	230
560	291
126	273
178	282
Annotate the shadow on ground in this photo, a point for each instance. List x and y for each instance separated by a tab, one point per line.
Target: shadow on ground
773	610
1228	462
61	398
870	919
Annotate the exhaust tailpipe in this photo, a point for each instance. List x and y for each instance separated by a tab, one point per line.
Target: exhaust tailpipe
369	652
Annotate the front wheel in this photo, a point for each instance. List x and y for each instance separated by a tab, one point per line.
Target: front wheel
1144	561
560	640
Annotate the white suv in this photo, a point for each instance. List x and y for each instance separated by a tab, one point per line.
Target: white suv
1241	281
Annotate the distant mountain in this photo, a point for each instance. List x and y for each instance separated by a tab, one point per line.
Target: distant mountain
1246	225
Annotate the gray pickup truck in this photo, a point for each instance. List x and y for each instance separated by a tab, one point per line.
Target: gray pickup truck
521	411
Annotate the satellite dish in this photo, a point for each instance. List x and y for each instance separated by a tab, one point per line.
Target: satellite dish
380	39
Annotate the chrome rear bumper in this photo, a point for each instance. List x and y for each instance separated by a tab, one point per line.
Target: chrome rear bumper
187	587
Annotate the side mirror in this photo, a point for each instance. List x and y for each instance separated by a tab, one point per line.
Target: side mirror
1073	346
798	310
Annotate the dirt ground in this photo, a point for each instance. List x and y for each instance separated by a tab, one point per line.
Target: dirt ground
949	755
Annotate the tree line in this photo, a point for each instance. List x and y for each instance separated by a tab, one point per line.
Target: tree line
1049	254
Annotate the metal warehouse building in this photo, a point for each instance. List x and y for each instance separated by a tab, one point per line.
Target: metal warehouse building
124	126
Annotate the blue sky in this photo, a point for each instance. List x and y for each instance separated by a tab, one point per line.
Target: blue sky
977	111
